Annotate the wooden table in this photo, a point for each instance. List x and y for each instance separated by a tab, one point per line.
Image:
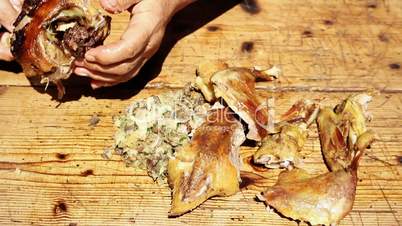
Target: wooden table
51	169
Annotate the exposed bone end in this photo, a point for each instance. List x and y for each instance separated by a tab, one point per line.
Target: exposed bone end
204	72
267	73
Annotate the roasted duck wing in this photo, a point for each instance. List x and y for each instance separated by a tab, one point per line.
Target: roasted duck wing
340	129
281	150
327	198
209	165
50	34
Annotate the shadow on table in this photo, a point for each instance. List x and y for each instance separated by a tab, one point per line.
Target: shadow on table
184	23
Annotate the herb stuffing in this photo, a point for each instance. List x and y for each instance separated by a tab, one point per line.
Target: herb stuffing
151	130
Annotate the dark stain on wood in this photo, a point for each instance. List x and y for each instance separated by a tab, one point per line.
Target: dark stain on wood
328	22
94	120
383	37
395	66
62	156
3	89
250	6
87	173
247	47
213	28
59	208
307	34
399	159
372	5
72	224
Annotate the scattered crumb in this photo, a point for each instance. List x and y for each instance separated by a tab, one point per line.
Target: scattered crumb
94	120
107	153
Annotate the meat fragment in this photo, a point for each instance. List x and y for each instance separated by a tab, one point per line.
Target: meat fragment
209	165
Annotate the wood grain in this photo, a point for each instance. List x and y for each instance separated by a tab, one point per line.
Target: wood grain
51	169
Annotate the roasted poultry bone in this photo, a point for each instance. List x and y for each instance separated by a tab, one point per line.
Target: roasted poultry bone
209	165
50	34
327	198
282	149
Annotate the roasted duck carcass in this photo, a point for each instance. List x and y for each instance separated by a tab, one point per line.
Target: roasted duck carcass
327	198
50	34
209	165
282	149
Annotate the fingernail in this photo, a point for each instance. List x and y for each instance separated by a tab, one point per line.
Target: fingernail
89	57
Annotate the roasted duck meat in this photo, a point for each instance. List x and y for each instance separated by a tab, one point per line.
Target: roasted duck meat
282	149
204	72
50	34
339	130
327	198
209	165
236	86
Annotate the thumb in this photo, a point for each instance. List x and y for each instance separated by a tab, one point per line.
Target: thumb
117	6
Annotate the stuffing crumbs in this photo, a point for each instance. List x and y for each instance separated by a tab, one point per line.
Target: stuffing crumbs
152	129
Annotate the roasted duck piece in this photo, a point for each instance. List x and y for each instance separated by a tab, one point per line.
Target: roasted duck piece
281	150
340	128
50	34
209	165
327	198
204	72
236	86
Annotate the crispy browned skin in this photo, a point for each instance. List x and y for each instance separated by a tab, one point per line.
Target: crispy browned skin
204	72
209	165
327	198
237	87
32	47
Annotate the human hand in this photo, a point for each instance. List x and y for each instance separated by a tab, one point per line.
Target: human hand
9	11
120	61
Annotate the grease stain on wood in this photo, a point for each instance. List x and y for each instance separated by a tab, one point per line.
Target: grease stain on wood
329	22
62	156
59	208
87	173
307	34
399	160
213	28
3	89
383	37
250	6
395	66
247	47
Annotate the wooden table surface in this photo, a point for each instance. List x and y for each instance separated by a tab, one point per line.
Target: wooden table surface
51	169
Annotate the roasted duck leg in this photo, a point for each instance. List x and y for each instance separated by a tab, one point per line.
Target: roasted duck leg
281	150
327	198
50	34
209	165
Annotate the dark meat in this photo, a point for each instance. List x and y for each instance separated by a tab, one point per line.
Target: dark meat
209	165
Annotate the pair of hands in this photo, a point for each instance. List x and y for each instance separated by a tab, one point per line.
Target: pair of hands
117	62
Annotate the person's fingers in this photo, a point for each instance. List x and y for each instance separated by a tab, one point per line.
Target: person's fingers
95	75
95	84
118	69
17	4
9	14
132	43
5	53
117	6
